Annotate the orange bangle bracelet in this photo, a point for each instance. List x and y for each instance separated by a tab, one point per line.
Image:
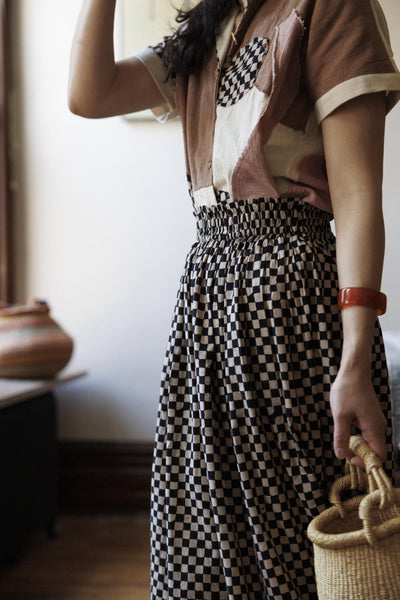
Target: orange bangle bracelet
356	296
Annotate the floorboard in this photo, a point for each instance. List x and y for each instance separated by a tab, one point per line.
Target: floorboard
94	558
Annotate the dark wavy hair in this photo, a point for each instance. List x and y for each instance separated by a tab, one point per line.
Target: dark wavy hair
186	51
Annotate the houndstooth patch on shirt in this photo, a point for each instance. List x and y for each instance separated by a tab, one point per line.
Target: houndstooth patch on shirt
239	76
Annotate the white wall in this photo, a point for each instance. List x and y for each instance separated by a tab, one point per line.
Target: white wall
104	223
391	189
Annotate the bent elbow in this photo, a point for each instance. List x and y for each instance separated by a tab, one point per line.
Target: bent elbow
80	111
82	108
74	107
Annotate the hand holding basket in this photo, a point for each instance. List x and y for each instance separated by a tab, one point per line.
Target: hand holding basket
357	542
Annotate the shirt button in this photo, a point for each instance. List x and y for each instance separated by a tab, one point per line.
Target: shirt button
209	164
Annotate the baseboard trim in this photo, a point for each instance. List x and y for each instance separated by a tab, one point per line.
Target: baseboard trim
104	476
110	476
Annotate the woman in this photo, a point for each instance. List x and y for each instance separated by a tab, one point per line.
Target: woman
264	376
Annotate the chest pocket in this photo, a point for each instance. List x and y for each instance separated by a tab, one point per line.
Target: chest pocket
239	75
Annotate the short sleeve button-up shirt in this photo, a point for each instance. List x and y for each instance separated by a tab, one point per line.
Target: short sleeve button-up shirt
251	116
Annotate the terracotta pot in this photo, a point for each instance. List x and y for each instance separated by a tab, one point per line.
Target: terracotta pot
32	344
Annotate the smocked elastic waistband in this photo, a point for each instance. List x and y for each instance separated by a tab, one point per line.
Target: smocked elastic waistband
245	218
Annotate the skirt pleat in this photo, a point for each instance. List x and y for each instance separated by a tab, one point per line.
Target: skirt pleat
243	456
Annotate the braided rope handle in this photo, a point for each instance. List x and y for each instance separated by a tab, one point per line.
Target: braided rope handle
377	478
355	479
373	480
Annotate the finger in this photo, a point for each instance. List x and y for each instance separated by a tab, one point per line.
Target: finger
341	437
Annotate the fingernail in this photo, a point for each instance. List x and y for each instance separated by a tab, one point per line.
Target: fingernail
340	453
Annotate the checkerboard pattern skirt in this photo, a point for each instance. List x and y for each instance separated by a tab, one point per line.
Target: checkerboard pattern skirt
243	455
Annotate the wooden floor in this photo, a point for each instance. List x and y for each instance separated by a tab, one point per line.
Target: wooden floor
93	558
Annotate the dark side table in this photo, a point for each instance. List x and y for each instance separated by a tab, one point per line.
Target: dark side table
28	459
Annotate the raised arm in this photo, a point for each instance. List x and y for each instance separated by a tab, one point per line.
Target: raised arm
98	85
353	140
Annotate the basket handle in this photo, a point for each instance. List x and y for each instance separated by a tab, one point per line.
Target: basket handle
377	478
371	479
355	479
366	510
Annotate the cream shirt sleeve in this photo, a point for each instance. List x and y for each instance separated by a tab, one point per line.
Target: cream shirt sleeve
151	57
349	54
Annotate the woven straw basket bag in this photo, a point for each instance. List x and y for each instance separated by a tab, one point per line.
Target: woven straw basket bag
357	542
32	344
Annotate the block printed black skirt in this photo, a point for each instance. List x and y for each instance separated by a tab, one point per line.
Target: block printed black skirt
243	455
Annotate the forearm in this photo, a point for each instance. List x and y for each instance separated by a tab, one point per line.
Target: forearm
360	241
354	141
92	65
360	245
